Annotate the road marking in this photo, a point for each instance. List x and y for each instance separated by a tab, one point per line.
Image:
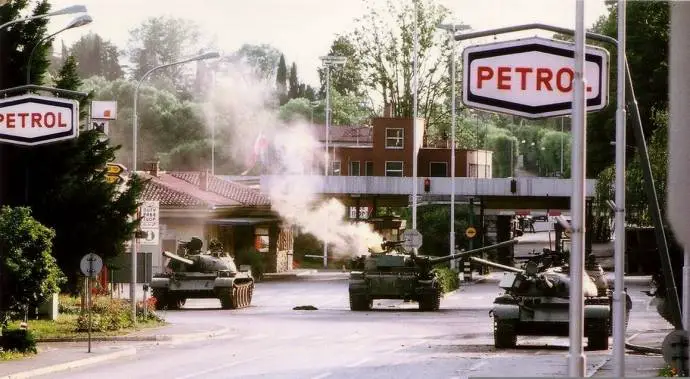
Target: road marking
324	375
359	362
217	368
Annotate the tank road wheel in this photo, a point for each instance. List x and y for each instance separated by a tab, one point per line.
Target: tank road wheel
597	334
505	335
251	292
360	302
161	296
226	298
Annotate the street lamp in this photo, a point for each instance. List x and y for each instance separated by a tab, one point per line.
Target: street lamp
69	10
79	21
133	283
329	61
451	29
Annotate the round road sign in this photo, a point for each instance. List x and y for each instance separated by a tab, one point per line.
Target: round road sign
470	232
412	238
91	264
675	349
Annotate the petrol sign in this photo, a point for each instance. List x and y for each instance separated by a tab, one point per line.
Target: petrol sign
531	77
34	120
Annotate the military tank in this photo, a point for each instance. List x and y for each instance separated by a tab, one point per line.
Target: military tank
536	301
390	273
193	274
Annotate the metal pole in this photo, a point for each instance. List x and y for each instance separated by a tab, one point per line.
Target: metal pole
619	253
213	126
414	123
326	169
133	262
576	357
678	136
452	145
88	300
562	119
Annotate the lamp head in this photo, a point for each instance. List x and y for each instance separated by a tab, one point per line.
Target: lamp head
78	21
208	55
454	27
69	10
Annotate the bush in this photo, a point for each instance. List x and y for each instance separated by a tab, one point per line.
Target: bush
107	315
447	278
19	340
69	305
253	258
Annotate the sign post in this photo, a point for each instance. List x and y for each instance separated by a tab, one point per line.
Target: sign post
412	239
90	265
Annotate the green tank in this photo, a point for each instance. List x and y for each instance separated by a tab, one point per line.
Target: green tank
193	274
390	273
536	301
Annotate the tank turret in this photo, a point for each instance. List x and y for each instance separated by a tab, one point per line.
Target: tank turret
192	273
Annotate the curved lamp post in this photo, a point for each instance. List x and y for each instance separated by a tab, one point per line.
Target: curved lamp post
69	10
77	22
133	282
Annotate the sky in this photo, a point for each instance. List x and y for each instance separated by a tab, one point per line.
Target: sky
302	29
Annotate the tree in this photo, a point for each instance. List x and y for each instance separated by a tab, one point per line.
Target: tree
293	82
647	52
346	80
160	40
281	80
384	42
263	58
29	271
96	57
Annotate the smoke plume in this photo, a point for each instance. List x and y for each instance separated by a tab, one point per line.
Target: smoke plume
247	115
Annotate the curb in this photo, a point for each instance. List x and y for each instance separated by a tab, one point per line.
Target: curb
73	364
151	338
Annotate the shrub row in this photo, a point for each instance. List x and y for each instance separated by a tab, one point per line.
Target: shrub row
447	278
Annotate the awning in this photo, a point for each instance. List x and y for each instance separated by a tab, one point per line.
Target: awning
242	220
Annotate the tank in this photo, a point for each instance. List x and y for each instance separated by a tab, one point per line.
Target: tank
193	274
390	273
536	301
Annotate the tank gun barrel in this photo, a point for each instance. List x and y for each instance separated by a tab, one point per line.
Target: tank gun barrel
178	258
473	251
497	265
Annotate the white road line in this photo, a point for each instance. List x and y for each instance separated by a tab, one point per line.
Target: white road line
217	368
324	375
359	362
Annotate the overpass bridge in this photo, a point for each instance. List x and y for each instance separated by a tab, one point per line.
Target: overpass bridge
494	195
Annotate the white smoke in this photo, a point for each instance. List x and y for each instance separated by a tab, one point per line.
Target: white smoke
245	109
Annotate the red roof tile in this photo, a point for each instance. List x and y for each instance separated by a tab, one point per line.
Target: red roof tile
235	191
168	197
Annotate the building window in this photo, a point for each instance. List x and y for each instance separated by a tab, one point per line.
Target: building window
437	169
369	168
354	168
394	138
335	168
474	170
394	168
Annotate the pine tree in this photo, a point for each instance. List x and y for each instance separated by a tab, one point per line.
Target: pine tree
293	82
281	80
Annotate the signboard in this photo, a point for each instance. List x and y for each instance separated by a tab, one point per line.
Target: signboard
114	173
34	120
531	77
104	110
412	238
149	212
91	264
470	232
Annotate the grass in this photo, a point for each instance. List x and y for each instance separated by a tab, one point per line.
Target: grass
66	324
13	355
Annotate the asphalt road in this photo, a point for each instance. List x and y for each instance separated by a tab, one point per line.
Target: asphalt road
270	339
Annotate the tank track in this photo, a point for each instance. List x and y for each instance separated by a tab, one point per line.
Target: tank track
238	296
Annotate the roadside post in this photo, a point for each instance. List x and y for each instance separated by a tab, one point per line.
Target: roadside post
90	265
539	78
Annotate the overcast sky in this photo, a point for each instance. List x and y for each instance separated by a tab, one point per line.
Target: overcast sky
302	29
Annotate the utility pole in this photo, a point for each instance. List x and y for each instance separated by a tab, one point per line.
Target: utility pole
329	61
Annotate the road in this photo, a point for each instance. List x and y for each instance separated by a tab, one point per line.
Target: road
270	339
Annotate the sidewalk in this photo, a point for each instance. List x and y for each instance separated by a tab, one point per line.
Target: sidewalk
638	364
55	357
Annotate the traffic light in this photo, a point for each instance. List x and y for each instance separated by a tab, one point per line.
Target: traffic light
427	185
